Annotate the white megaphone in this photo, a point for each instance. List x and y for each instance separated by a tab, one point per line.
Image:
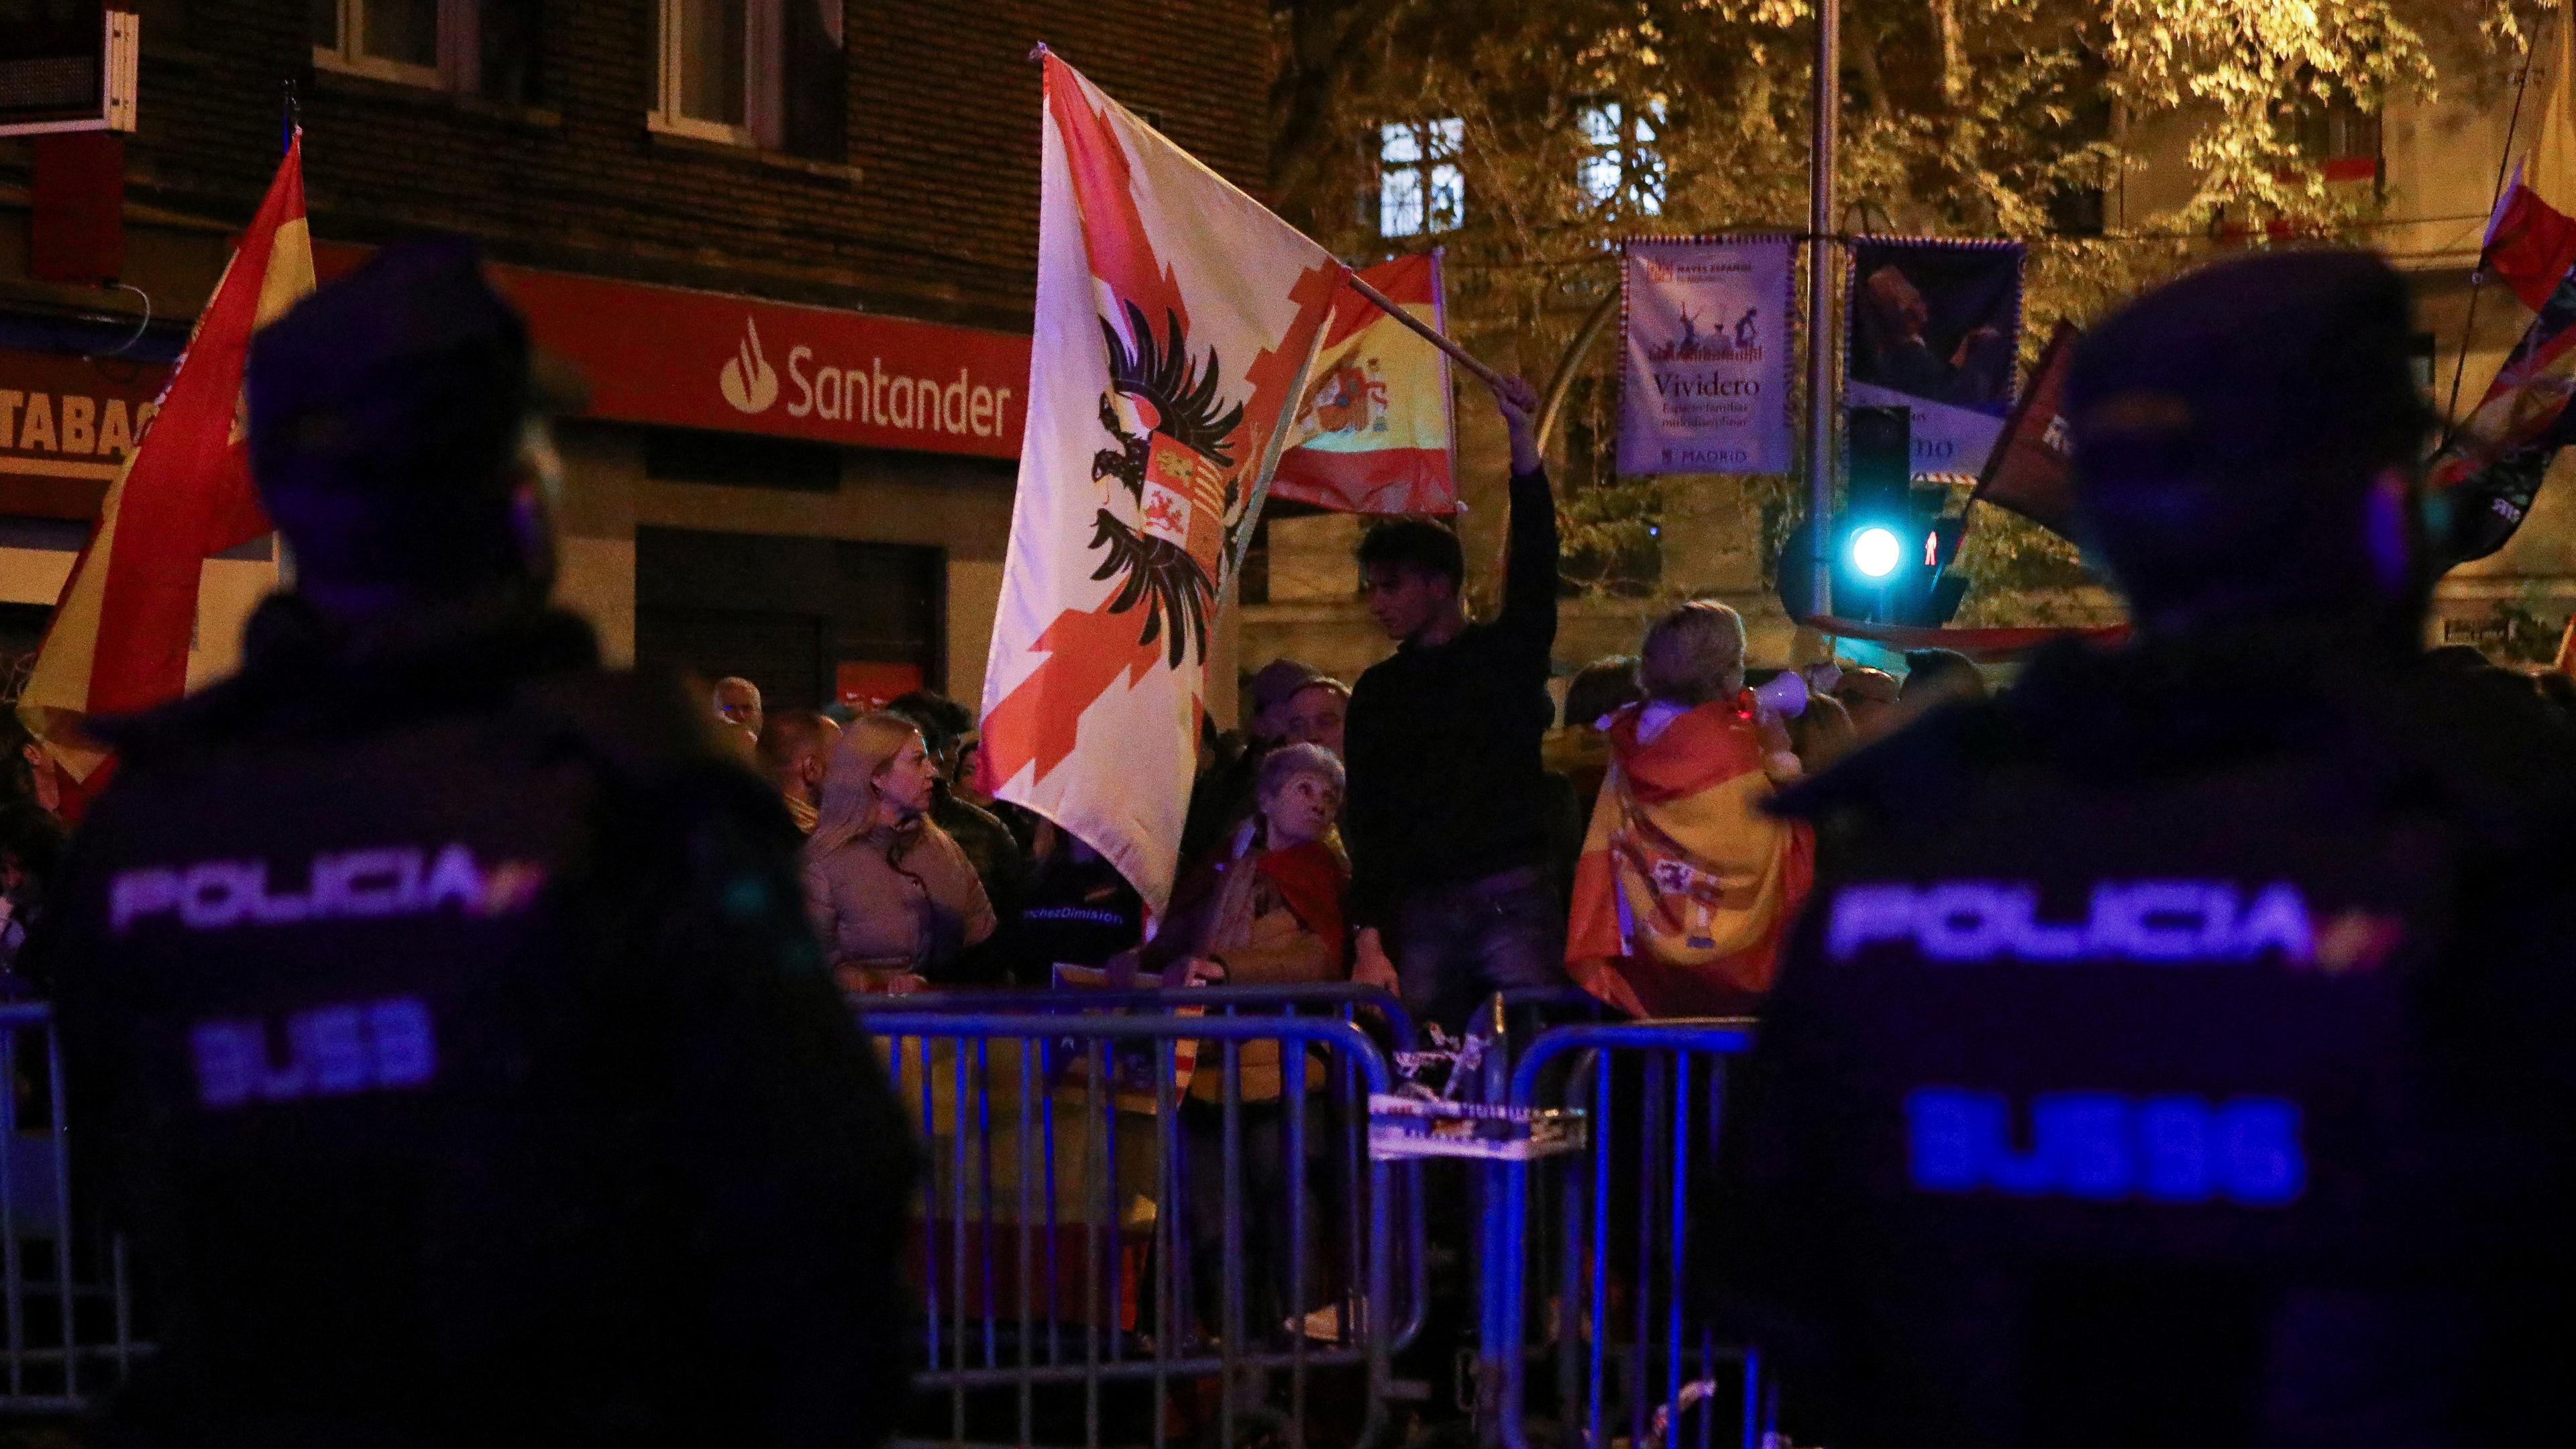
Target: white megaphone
1786	694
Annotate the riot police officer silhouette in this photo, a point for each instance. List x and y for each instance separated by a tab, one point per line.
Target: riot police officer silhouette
441	1015
2175	1052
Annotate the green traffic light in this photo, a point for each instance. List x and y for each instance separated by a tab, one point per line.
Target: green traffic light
1875	552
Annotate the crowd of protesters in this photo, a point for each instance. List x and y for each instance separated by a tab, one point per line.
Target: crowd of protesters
1442	826
393	1216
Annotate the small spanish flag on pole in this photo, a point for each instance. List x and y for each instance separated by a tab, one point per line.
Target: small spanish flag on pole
1372	433
119	638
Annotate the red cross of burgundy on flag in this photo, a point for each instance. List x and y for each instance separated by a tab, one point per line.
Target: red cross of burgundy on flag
1176	322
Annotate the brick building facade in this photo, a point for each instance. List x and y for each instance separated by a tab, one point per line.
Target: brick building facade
651	171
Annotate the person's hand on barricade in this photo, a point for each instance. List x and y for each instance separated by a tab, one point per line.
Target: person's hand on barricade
1204	971
1370	965
879	980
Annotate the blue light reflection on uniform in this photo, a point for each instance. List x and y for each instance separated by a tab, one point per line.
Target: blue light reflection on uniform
331	1051
2107	1147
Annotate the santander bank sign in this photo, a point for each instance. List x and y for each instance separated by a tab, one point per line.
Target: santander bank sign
676	357
863	395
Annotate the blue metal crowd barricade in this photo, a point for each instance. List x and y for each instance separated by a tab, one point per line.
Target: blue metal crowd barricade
1117	1235
1338	999
1613	1221
66	1318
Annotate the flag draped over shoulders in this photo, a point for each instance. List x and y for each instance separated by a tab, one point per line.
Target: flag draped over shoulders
1686	886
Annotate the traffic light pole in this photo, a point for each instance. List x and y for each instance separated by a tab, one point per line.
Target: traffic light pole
1820	341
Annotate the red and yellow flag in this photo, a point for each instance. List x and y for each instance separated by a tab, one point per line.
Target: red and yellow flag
1372	432
119	638
2531	238
1687	886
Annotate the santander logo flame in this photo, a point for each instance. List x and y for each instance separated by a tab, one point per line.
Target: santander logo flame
748	381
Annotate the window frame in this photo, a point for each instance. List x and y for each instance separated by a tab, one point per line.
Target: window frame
458	46
1634	158
1440	145
761	21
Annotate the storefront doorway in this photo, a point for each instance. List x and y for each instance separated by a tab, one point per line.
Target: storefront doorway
799	617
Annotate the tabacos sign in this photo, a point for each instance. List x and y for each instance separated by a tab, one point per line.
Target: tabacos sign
66	417
680	358
66	425
675	357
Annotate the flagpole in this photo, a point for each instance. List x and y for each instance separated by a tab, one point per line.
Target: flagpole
1429	333
1827	104
2478	274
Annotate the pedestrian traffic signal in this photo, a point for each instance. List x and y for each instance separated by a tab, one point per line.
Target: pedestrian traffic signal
1876	552
1891	544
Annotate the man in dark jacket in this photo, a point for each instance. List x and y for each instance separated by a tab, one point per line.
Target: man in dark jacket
1448	815
2179	1055
440	1012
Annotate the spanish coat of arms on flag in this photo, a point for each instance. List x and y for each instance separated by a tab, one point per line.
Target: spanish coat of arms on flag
1176	322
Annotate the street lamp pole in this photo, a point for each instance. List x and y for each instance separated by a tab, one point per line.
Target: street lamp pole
1820	341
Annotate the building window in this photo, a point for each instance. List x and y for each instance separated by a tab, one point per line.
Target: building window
766	73
448	44
1419	186
2341	138
1623	164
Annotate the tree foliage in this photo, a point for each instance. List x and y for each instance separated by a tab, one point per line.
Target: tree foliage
1961	118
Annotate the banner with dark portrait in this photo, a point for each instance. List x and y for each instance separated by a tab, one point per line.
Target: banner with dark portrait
1935	326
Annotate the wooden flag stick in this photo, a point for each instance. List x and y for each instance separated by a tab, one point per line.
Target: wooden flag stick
1428	332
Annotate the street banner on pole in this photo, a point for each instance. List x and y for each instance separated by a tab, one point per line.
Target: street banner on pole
2493	465
1372	432
1704	328
1176	321
1935	326
119	638
2031	468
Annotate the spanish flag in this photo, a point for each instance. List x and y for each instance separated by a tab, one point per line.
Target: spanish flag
1373	429
1687	886
119	638
2531	238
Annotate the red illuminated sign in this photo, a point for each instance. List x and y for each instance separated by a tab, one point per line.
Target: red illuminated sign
682	358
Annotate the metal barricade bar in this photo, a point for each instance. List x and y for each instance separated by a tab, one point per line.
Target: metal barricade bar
45	1345
1068	1313
1682	1069
1344	998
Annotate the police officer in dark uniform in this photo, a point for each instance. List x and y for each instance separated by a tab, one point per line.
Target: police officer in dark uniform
2181	1052
442	1018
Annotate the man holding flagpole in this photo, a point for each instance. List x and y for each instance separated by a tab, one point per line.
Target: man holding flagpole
1451	885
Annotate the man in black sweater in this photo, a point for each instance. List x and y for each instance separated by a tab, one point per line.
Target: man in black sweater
1447	823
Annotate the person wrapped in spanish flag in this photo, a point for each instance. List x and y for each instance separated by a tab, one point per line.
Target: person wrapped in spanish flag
1687	886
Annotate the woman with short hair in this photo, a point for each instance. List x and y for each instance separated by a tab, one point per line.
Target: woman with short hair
1271	916
1687	886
